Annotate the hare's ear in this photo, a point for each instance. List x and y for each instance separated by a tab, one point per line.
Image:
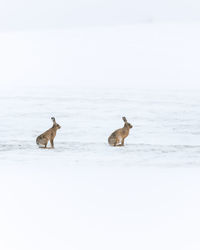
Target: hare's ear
53	119
124	119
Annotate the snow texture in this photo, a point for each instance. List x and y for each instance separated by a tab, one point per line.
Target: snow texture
85	194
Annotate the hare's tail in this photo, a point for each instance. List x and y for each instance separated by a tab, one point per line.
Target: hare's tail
111	140
38	140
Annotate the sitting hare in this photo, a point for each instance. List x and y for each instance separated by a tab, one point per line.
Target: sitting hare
120	134
48	135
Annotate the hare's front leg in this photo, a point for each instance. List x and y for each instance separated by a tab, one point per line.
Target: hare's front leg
52	143
122	142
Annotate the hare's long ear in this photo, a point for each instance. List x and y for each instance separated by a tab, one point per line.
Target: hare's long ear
53	120
124	119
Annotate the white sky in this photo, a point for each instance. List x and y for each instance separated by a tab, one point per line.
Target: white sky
37	14
142	55
112	52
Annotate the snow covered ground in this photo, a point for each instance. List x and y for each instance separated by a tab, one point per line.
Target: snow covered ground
165	133
85	194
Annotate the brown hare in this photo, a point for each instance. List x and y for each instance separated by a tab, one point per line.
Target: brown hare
119	135
48	135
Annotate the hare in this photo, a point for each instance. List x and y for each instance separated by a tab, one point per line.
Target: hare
120	134
48	135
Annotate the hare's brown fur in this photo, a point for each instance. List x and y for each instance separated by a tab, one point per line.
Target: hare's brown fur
48	135
118	136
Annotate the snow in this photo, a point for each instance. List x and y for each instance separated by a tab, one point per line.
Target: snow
85	194
86	207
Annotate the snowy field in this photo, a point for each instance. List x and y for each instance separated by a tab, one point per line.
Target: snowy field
85	194
165	127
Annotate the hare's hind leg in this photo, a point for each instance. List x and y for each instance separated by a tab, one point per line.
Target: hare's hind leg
116	142
45	146
45	142
121	144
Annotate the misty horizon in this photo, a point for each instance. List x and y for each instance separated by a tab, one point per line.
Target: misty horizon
34	15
